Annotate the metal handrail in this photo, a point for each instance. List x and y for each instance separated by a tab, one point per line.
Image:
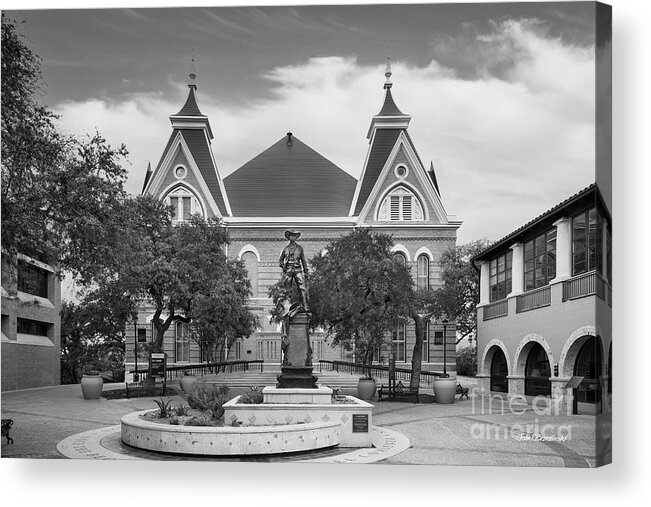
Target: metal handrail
204	368
376	371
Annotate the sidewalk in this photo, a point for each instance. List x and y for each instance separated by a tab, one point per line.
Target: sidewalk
457	434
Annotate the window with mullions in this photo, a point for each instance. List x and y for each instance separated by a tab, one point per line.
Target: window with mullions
400	205
423	272
425	353
398	343
33	327
32	279
586	242
182	342
540	260
500	276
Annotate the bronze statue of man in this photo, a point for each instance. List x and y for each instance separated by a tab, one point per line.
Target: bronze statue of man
294	266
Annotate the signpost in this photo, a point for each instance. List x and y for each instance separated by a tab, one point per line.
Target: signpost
158	367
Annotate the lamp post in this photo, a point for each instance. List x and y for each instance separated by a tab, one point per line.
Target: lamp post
136	377
445	347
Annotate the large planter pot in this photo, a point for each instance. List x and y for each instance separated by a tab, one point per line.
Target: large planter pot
445	389
91	386
187	382
366	388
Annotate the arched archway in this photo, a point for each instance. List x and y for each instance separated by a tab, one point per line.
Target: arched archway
499	371
537	372
588	364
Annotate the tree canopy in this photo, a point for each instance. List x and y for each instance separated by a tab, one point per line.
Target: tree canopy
58	192
357	291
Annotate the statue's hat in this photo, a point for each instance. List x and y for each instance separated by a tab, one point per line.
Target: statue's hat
292	232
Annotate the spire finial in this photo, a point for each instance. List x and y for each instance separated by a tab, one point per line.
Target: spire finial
387	74
193	73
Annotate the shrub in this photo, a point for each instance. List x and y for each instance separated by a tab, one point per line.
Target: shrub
181	410
198	420
208	400
253	396
174	420
467	361
163	408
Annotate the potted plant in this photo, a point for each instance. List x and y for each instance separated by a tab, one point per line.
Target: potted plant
91	383
187	382
445	388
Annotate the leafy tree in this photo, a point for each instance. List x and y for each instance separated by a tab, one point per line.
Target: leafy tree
467	361
57	191
459	295
176	268
221	316
357	290
92	332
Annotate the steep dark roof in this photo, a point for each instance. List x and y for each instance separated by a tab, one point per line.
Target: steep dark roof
200	150
147	176
571	205
432	176
389	107
198	145
290	180
190	108
383	143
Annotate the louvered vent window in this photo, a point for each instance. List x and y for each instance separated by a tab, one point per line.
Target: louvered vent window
401	205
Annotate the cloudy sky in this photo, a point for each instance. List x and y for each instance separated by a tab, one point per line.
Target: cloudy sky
501	95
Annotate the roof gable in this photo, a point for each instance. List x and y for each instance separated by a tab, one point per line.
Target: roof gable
290	179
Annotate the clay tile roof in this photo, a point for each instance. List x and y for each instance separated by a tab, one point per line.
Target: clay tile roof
289	179
545	219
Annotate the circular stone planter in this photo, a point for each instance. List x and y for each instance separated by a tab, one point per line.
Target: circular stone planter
91	386
366	388
227	440
445	389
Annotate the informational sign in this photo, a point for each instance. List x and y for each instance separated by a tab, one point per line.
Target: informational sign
574	382
360	423
158	366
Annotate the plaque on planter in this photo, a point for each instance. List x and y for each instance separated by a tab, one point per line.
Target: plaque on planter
360	423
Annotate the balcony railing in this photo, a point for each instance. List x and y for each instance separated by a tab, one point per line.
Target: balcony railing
582	285
496	309
534	299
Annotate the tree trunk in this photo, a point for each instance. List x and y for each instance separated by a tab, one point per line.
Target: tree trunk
417	355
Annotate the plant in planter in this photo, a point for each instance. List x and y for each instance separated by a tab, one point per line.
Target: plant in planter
253	396
164	408
91	382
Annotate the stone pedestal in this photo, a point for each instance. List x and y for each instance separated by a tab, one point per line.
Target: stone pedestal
297	362
321	395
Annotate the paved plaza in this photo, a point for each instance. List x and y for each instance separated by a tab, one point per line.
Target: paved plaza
425	433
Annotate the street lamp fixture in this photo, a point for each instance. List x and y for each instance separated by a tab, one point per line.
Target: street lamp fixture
445	347
136	377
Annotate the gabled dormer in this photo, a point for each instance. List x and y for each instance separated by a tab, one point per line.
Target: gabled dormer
395	188
186	176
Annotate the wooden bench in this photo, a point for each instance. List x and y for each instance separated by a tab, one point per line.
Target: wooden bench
397	393
463	391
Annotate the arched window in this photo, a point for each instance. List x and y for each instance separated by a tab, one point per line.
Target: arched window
184	204
251	264
400	257
422	276
401	205
537	373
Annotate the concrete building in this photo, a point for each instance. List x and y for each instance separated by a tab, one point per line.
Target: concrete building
31	324
290	185
545	308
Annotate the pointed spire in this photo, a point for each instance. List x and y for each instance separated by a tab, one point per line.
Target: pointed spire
147	176
193	74
387	73
432	176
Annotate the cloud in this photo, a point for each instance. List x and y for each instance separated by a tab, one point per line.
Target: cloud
507	144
